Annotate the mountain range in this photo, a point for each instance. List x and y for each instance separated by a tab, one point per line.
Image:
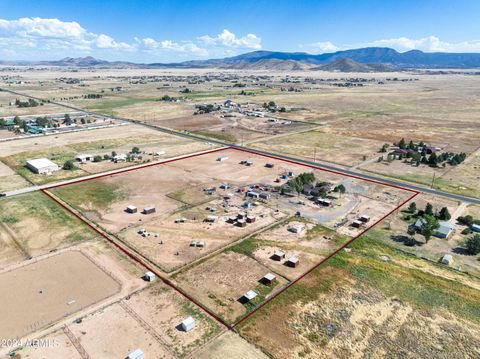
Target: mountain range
357	60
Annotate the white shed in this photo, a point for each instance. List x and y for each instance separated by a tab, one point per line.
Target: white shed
136	354
251	294
447	259
42	166
149	276
188	324
222	158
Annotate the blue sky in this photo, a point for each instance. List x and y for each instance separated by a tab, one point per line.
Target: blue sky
149	31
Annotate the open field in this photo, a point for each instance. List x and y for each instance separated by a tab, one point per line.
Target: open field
9	180
229	345
32	224
368	303
42	292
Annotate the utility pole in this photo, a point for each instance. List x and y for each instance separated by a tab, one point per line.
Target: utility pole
314	154
433	180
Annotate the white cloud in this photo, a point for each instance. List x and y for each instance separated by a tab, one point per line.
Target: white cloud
39	38
229	39
427	44
325	46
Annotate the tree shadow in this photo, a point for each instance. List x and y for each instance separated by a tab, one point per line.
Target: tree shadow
406	240
461	250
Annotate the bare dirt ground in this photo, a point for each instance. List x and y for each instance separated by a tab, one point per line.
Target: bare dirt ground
42	292
58	346
164	310
230	345
9	180
114	333
222	280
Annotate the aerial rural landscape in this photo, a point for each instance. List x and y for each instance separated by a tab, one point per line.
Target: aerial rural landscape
207	198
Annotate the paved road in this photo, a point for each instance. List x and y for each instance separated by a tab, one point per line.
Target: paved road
333	168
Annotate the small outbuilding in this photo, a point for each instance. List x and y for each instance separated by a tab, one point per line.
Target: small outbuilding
269	279
188	324
251	218
292	262
136	354
269	165
149	276
131	209
241	223
149	209
476	227
42	166
211	219
447	259
251	294
253	194
357	223
296	228
278	255
364	218
82	158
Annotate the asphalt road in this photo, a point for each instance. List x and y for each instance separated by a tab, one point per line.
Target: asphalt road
328	167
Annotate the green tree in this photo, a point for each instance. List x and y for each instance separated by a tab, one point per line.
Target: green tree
429	225
340	189
68	165
3	122
97	158
402	144
114	153
429	209
136	150
444	214
412	208
472	244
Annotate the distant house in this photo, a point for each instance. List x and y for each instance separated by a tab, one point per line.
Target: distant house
42	166
119	158
444	230
253	194
82	158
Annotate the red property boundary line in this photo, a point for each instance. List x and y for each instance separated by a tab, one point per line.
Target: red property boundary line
173	286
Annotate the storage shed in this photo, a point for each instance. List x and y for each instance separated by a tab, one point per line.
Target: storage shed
211	219
278	255
251	219
447	259
149	209
296	228
476	227
357	223
149	276
136	354
222	158
188	324
241	223
292	262
269	279
364	218
251	294
42	166
131	209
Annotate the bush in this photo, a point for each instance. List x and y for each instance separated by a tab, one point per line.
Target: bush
69	165
97	158
467	231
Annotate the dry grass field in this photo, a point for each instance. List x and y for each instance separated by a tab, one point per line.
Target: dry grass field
32	224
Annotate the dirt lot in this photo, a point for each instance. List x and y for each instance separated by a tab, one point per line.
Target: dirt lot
61	286
222	280
164	310
103	335
9	180
230	345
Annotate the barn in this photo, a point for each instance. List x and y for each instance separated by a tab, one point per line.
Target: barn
42	166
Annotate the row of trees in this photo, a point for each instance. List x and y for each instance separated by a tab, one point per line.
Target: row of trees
443	215
29	103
